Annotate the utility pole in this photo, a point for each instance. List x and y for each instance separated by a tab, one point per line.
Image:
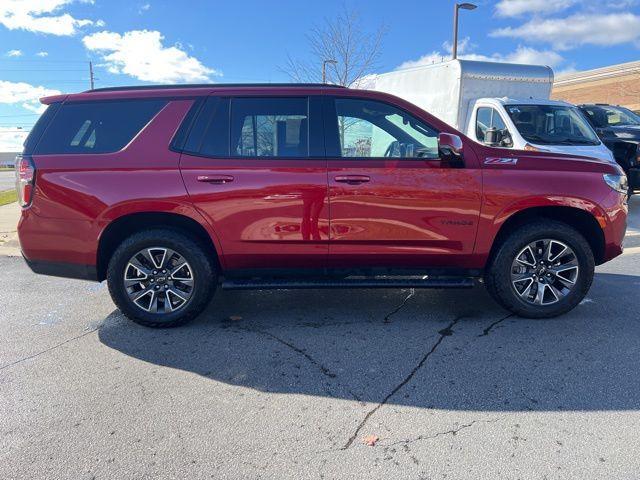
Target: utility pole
91	82
458	6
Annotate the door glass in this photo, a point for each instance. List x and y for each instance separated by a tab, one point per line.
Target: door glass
269	127
373	129
486	118
483	122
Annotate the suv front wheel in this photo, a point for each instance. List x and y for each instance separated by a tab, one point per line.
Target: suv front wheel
541	270
161	278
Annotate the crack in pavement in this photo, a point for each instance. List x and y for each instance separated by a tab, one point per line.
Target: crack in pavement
445	332
453	432
387	318
324	370
48	349
487	330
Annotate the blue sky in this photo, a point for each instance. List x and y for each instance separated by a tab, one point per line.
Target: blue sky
45	45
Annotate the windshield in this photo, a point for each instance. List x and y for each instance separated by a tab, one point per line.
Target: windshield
552	125
607	116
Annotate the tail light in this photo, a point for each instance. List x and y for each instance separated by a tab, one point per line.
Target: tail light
25	179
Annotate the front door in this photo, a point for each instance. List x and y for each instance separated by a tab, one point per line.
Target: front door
255	168
393	202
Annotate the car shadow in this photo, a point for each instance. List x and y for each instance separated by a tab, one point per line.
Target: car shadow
453	350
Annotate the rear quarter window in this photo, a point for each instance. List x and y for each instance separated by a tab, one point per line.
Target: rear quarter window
97	127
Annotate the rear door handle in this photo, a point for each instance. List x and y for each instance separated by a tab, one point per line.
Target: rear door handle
352	179
217	179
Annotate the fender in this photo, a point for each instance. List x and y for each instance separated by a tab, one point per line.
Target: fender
490	225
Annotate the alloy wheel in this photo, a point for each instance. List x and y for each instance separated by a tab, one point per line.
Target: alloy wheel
544	272
158	280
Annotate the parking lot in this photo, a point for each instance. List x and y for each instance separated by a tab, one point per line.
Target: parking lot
289	384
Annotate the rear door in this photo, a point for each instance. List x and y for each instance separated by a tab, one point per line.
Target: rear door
393	202
255	169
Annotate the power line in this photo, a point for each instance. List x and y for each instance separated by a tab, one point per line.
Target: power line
23	61
41	70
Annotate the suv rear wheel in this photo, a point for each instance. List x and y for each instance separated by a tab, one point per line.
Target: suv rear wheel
541	270
161	278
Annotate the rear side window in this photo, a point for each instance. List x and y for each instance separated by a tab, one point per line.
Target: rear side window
270	127
97	127
252	127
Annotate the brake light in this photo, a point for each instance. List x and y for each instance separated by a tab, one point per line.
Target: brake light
25	179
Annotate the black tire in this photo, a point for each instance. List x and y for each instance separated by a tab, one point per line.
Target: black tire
204	276
498	273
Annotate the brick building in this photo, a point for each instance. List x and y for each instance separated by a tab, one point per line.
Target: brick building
616	84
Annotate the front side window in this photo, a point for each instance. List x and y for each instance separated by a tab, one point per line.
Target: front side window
552	125
269	127
374	129
486	118
97	127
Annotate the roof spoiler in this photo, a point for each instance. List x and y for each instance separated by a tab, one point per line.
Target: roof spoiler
53	99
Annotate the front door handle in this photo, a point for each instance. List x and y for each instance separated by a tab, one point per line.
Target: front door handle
216	179
352	179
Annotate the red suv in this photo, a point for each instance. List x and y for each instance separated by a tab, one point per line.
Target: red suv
168	192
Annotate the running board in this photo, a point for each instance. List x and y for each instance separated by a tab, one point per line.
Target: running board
302	283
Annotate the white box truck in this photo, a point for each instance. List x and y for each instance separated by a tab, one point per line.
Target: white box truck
499	104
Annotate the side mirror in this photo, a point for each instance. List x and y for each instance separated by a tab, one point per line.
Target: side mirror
493	136
450	149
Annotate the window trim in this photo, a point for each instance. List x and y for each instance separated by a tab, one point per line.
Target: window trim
332	139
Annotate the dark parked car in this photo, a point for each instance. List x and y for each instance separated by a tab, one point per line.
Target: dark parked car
619	130
170	192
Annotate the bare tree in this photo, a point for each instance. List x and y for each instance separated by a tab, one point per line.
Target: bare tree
344	40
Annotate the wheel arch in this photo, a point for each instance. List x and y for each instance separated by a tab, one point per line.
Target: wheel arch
582	220
124	226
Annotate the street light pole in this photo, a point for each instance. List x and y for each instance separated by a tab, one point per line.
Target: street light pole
324	69
458	6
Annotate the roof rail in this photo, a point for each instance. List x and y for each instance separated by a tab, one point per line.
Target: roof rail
211	85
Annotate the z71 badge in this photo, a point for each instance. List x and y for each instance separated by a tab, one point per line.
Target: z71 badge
500	161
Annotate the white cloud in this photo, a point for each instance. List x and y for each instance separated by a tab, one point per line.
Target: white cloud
40	16
42	54
14	53
24	94
580	29
515	8
522	54
11	139
141	54
144	8
531	56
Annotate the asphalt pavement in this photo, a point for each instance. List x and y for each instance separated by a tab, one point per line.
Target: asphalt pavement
7	180
290	384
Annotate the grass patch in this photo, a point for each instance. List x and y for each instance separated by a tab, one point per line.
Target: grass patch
8	196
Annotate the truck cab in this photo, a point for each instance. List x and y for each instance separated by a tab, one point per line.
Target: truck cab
534	124
497	104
